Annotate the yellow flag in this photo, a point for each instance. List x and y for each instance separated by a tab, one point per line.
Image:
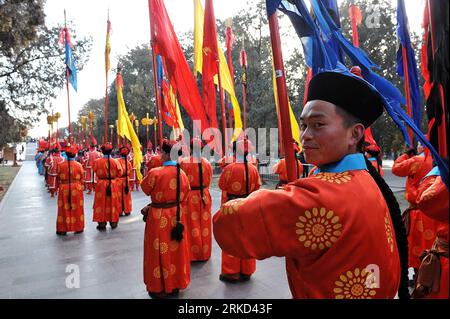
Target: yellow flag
294	124
225	76
125	128
107	47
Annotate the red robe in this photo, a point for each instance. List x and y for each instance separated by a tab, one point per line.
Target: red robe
125	198
166	261
154	161
330	244
422	229
70	218
280	169
198	212
433	200
106	208
232	181
146	159
47	166
52	173
134	181
91	178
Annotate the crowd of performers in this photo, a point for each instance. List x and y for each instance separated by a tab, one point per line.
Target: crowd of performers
328	241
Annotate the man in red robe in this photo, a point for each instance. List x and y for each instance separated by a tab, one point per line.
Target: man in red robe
148	155
238	180
92	156
421	229
70	194
166	254
334	227
125	193
52	173
280	169
199	232
107	192
432	281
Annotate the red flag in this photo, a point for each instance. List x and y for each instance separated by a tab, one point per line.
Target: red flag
166	44
209	67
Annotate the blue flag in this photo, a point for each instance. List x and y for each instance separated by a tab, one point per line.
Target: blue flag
70	63
321	57
405	42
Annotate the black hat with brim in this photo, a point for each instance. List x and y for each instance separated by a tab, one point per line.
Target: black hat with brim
348	92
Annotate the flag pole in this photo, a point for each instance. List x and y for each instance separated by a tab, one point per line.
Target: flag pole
222	110
243	62
107	48
407	92
155	78
355	17
282	97
229	44
442	132
67	81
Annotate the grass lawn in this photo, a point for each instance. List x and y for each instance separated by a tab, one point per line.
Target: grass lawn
7	174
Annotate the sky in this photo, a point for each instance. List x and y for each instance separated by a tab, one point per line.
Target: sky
130	27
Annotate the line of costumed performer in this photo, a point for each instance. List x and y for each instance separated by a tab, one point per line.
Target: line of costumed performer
238	180
53	174
107	190
125	194
432	280
333	248
198	219
91	156
166	254
70	175
421	229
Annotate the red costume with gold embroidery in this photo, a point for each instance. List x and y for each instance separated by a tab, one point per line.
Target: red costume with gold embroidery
421	229
106	208
433	200
70	213
91	178
199	232
134	181
166	261
53	174
232	181
154	161
334	248
125	193
280	169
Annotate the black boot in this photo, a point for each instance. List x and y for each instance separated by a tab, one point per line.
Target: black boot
101	226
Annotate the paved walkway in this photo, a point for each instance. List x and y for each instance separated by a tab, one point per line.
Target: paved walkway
34	260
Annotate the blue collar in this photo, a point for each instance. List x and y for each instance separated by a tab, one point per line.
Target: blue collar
351	162
421	154
372	159
434	172
70	159
169	163
105	156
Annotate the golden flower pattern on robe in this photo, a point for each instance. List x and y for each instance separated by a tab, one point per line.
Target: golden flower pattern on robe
318	228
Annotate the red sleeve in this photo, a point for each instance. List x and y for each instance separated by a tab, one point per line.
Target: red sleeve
405	166
433	198
265	223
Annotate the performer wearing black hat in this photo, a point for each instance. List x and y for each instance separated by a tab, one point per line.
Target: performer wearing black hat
340	229
166	254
